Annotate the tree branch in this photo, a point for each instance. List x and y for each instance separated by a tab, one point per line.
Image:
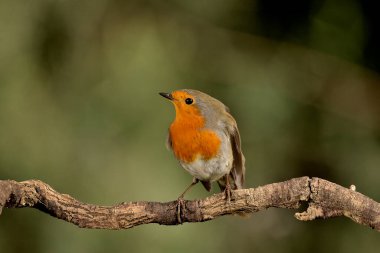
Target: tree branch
325	199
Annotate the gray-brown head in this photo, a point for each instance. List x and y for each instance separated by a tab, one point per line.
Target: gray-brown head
189	102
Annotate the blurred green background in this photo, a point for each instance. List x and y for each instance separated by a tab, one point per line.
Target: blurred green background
79	110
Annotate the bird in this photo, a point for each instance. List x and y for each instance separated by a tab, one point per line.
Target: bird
205	139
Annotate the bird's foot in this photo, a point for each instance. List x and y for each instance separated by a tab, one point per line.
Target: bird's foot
228	193
180	207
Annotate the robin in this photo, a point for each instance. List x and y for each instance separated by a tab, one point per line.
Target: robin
205	139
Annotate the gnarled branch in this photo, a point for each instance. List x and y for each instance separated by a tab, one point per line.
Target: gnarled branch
325	200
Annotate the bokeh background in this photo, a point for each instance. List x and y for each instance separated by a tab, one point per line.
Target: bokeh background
79	110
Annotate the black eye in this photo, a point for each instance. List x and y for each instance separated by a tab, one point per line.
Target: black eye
188	101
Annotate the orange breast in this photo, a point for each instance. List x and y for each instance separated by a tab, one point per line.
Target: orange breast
189	140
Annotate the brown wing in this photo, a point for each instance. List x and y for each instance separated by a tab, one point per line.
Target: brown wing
238	167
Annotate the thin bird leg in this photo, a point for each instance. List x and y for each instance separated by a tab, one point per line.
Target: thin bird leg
180	199
195	181
227	190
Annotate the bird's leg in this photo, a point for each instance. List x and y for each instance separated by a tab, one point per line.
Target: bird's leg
180	199
227	190
195	181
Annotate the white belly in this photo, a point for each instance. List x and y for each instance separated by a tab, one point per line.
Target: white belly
212	169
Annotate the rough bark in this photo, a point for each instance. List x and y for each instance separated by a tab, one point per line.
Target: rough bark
325	199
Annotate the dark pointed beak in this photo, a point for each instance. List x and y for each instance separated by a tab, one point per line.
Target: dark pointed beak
166	95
